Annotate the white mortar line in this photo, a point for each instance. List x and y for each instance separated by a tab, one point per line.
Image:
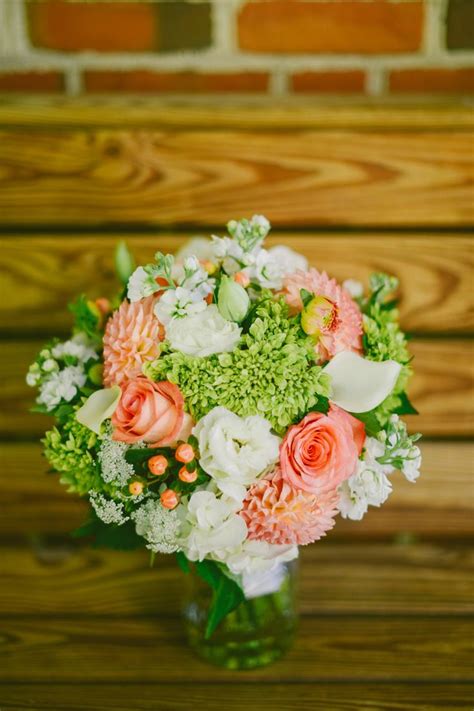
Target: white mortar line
279	84
434	42
224	37
375	81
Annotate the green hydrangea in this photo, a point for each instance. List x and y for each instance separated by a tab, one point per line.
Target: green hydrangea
271	372
68	450
384	340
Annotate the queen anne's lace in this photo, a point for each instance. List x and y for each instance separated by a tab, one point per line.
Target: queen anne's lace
159	526
107	510
114	467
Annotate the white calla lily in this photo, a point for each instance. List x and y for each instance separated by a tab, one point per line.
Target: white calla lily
358	384
99	407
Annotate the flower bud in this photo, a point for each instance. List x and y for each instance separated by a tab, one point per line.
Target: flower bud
158	465
135	488
319	316
233	301
187	477
184	453
242	278
169	499
96	373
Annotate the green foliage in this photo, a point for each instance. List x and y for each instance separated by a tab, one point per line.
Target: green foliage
124	262
87	317
123	537
270	373
70	449
227	594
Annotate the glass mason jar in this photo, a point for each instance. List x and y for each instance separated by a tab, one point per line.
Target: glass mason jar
259	631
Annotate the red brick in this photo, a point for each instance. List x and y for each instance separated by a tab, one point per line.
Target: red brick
427	81
345	26
332	82
104	26
36	82
142	81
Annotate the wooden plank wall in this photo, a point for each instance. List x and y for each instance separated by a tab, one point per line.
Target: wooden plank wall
356	190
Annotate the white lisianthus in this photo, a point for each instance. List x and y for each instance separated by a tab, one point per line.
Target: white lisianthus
178	303
203	333
211	526
235	450
288	260
266	271
254	557
368	486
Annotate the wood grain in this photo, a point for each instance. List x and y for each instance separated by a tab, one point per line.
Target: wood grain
437	506
321	696
326	648
201	177
441	389
335	578
435	273
288	114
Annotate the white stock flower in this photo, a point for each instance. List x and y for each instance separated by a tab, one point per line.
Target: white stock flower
178	303
230	253
258	557
79	347
159	526
368	486
266	271
211	526
288	260
61	385
411	465
140	285
203	333
235	450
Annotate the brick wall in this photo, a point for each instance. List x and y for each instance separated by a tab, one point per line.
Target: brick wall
259	47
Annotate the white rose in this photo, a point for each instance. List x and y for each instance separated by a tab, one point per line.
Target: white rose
203	334
210	526
288	260
235	450
254	557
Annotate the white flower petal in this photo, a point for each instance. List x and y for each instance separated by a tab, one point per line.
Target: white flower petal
98	407
359	385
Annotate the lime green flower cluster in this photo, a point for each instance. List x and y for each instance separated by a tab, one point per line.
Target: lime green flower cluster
383	339
69	449
270	373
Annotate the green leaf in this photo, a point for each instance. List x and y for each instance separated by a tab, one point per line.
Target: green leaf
306	297
183	562
86	316
370	420
124	262
122	538
405	407
209	572
322	405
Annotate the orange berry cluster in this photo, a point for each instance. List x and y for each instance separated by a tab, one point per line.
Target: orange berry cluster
158	466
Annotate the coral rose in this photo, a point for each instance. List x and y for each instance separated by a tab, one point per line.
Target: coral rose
277	512
149	412
321	451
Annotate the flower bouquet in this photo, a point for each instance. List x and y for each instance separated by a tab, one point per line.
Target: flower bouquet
226	407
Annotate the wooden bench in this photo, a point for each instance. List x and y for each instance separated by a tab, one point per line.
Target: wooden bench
385	602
